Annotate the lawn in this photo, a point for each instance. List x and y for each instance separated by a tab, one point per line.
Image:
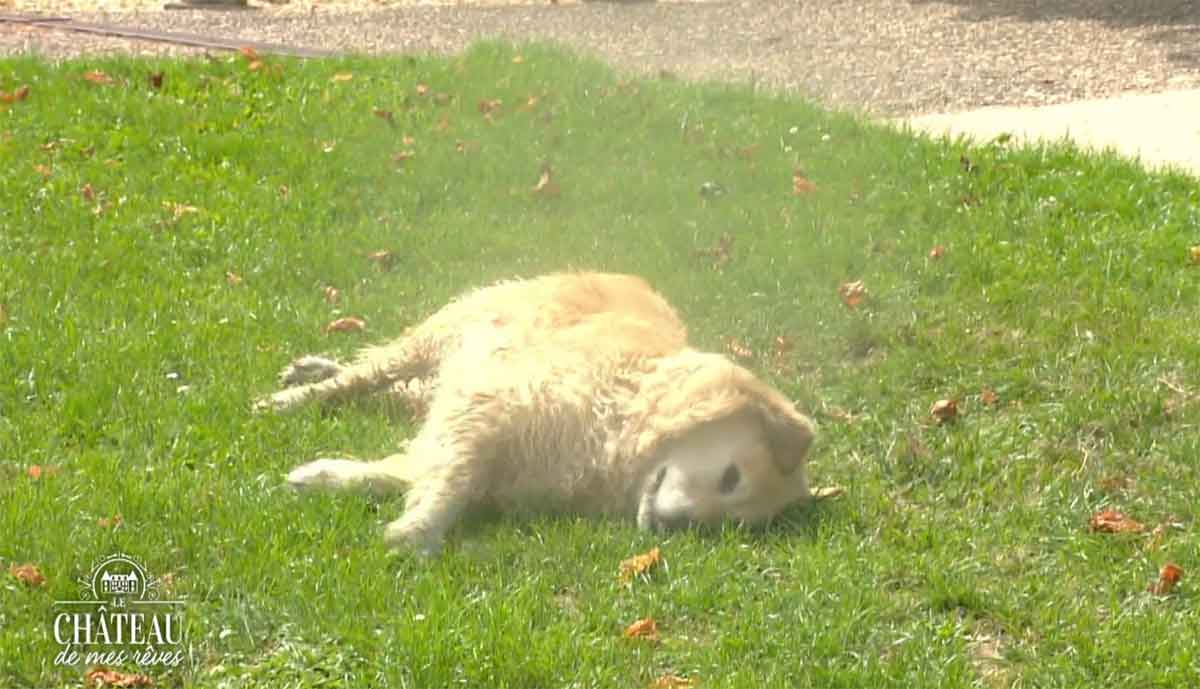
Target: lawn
169	232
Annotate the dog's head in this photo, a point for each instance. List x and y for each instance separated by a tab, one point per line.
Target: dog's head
715	443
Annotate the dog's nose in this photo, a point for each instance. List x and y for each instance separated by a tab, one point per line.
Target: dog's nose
673	522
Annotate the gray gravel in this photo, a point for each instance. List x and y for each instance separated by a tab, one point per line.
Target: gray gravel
887	57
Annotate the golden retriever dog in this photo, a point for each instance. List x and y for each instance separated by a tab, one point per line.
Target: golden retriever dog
575	391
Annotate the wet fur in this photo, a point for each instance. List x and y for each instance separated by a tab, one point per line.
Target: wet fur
576	390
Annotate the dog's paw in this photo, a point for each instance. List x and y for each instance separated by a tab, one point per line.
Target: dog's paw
325	474
308	369
404	536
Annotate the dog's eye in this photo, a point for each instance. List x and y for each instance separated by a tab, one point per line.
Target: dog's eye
729	479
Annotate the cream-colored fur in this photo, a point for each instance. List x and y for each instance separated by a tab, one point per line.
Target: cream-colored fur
573	390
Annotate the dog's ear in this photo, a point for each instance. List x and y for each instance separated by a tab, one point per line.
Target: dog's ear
789	432
692	388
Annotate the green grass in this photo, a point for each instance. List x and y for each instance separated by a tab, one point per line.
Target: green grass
1065	287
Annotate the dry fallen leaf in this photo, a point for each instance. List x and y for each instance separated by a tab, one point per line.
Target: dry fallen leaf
639	564
407	140
546	186
19	95
827	492
384	115
27	574
156	80
87	192
36	471
43	170
487	107
1112	521
95	76
852	293
738	350
670	681
179	209
944	410
645	628
801	184
988	397
332	295
721	253
346	325
422	89
233	278
937	252
249	53
342	76
254	65
284	192
1168	576
108	522
384	259
104	677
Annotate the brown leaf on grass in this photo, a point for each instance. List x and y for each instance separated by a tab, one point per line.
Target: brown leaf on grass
178	210
801	184
249	53
489	106
639	564
937	252
88	192
421	89
1112	521
342	77
383	259
110	522
16	96
720	253
37	471
852	293
738	349
408	140
546	187
781	345
284	192
233	278
988	397
99	676
43	170
254	65
156	80
348	324
385	115
27	574
827	492
944	411
332	295
401	156
645	628
1168	577
95	76
670	681
749	153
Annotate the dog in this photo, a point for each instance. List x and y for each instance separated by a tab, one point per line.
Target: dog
571	391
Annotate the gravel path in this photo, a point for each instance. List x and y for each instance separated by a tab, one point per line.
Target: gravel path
888	57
